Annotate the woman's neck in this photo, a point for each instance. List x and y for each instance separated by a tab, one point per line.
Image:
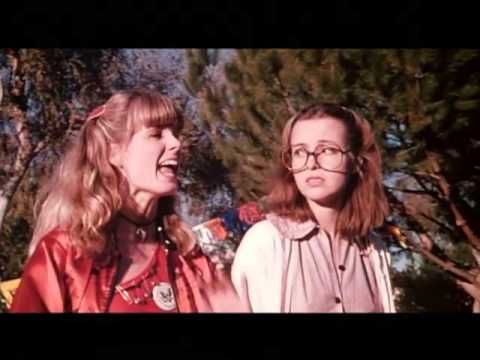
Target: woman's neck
326	216
140	209
136	222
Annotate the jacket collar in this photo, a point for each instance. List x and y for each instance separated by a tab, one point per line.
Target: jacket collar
300	231
292	229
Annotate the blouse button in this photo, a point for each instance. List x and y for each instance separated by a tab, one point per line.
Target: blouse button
338	300
341	267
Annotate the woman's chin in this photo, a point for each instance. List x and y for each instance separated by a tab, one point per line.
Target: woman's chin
315	195
326	200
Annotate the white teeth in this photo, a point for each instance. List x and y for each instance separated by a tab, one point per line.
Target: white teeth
168	163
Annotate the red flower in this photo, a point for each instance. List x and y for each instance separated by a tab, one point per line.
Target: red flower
217	228
249	213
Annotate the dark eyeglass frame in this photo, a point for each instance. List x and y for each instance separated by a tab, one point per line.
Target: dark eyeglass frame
286	156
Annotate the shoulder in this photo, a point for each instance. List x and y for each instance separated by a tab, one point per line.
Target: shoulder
262	232
51	253
260	238
258	255
57	239
55	244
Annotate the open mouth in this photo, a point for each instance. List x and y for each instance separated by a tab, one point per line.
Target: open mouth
168	167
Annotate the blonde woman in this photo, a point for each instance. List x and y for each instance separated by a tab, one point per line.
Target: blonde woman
107	238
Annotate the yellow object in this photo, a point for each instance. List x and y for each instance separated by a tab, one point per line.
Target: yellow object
7	289
399	236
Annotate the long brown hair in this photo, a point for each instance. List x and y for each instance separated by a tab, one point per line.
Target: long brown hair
83	194
365	205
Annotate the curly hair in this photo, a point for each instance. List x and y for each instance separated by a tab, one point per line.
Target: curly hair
83	194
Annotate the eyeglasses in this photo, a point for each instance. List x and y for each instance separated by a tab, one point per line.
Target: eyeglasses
329	157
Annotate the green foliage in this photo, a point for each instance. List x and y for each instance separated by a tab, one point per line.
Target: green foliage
419	101
44	90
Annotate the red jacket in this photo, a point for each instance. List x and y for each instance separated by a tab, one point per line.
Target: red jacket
59	278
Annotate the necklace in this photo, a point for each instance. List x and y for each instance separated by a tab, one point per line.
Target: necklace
141	229
141	232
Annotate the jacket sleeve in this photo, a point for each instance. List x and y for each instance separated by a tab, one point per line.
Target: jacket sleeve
190	271
255	276
42	285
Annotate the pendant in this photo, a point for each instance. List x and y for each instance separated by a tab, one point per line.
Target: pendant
141	234
163	296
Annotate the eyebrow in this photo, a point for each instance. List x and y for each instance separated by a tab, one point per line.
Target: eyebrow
153	129
319	142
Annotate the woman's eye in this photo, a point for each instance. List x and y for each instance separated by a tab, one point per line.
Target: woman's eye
330	151
298	152
157	133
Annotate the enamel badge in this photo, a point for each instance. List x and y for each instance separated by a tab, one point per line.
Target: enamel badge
163	296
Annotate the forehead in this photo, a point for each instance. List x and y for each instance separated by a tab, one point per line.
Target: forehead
154	124
142	133
311	131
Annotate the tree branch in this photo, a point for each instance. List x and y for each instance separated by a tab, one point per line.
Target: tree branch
411	191
440	224
446	264
471	278
422	184
459	218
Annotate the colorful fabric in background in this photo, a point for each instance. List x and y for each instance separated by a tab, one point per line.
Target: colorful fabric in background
219	237
7	291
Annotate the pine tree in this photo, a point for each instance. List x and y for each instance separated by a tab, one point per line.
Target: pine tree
422	105
244	115
203	175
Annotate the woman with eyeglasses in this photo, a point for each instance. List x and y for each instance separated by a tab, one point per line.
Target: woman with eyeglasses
317	249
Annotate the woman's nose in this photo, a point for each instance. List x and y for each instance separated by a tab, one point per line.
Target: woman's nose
173	143
311	162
